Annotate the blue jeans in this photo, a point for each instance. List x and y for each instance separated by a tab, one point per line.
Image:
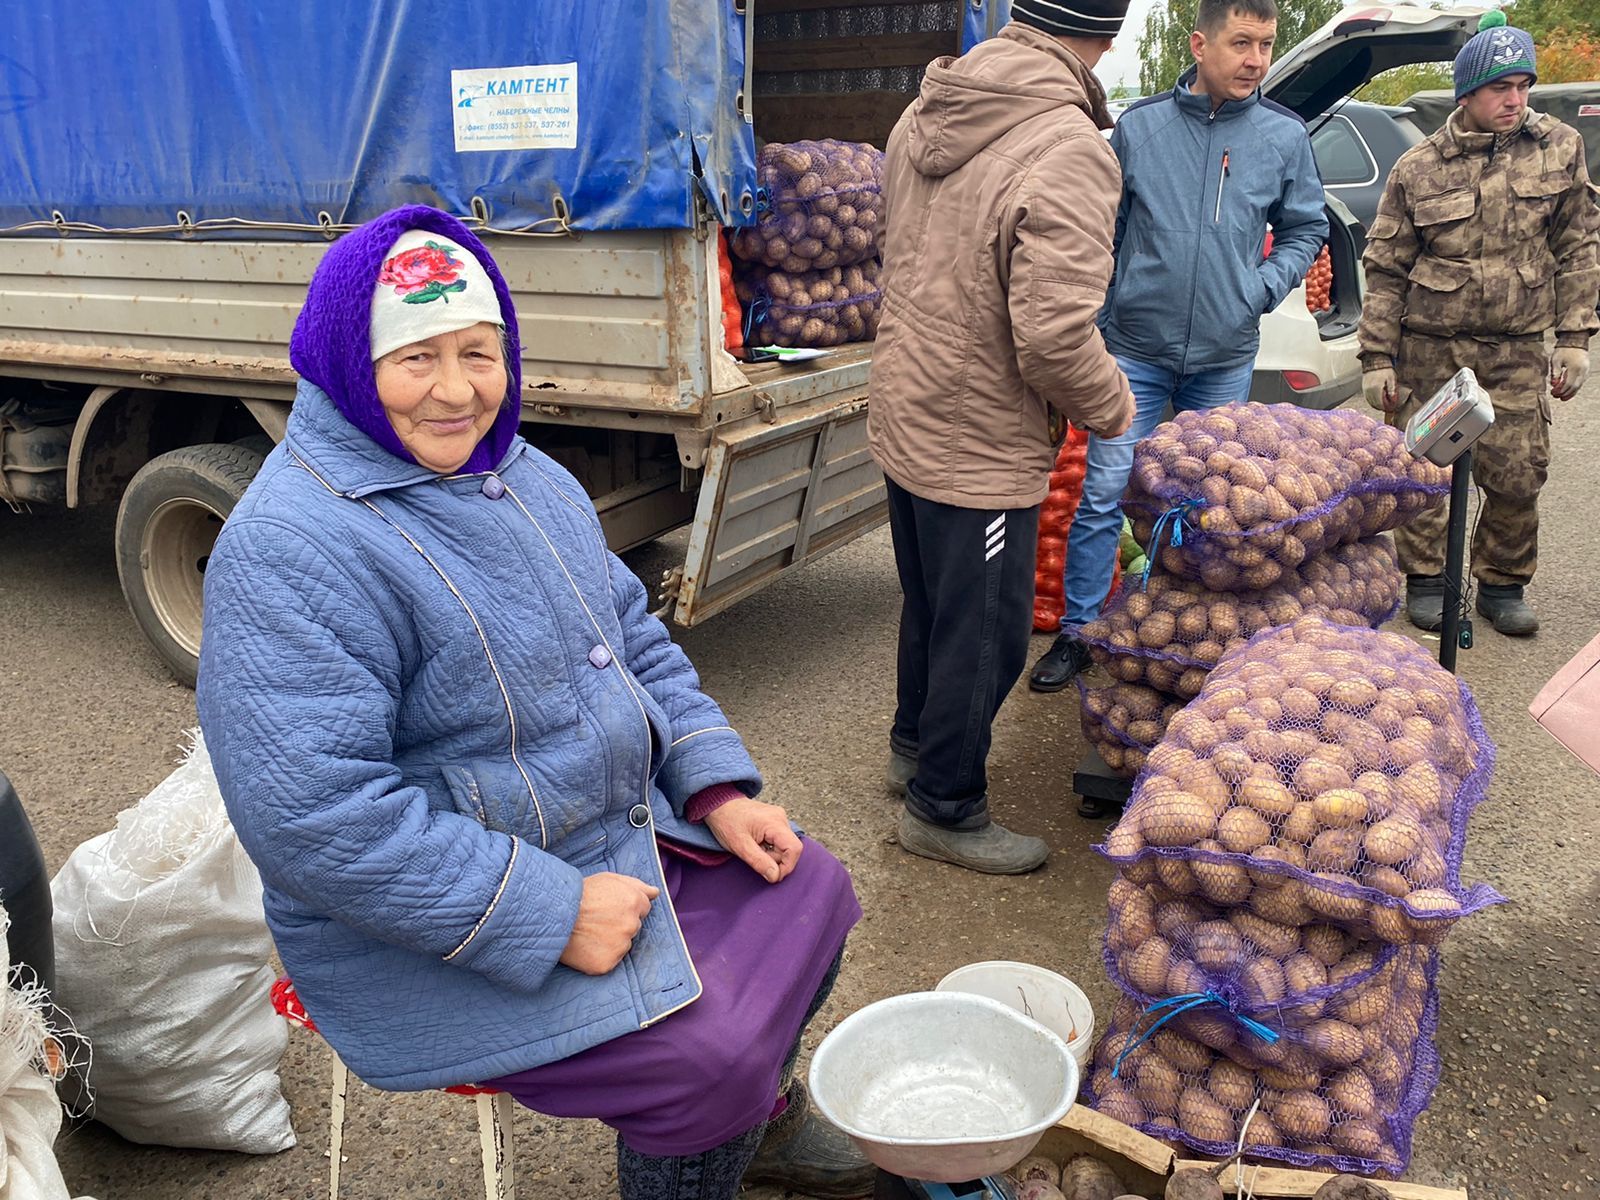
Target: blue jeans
1097	528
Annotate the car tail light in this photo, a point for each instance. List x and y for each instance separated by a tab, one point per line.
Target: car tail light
1301	381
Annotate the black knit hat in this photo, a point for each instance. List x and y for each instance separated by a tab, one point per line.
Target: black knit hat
1072	18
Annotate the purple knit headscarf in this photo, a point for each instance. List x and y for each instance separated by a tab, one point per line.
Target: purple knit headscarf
333	335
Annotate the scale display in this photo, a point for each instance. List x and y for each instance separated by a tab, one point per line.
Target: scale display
1455	417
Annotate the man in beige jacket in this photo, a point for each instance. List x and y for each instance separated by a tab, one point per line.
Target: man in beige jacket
1002	196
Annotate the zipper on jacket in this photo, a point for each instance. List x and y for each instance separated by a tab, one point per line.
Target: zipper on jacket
644	789
1221	179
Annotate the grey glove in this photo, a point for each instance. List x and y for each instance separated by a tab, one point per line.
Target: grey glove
1381	389
1569	368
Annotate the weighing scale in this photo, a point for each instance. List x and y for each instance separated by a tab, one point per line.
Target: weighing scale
1443	431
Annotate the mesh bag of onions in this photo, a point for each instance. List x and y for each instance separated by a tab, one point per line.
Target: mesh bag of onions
819	204
1340	765
1124	721
1172	632
1236	496
815	309
1305	1110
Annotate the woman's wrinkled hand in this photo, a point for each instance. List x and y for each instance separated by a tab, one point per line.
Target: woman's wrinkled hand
610	914
758	834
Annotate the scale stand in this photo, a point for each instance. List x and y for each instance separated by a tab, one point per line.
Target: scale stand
1101	793
1443	431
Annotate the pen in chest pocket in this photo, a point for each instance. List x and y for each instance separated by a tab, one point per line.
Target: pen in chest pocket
1222	178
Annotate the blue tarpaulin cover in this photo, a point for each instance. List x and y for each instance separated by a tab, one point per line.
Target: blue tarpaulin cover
122	114
603	114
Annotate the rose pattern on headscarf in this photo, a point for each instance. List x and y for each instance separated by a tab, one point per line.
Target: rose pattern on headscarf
423	274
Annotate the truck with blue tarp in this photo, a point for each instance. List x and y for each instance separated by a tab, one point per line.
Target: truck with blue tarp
171	174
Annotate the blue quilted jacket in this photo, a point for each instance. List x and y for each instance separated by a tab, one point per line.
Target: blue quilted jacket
434	706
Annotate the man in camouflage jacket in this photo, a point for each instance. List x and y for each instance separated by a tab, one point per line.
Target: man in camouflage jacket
1485	241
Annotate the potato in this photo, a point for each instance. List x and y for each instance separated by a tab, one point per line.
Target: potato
1188	1056
1280	941
1267	797
1242	830
1216	947
1122	1106
1352	1094
1393	841
1335	1042
1303	1116
1221	883
1177	820
1263	983
1203	1118
1177	876
1231	1085
1300	826
1361	1139
1327	945
1334	850
1146	965
1340	808
1157	1087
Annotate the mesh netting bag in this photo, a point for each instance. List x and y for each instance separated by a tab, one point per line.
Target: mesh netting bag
1124	721
1170	633
819	204
1235	496
1336	768
1255	991
1354	1117
816	309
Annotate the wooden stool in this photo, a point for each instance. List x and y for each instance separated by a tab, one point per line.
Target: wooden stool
494	1111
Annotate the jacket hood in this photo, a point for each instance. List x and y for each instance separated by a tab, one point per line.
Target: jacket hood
970	102
332	336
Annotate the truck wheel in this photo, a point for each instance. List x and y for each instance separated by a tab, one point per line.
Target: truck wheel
170	516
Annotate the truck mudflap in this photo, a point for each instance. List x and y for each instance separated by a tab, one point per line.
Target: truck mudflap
774	496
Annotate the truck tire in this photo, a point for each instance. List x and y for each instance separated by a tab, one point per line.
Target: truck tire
167	524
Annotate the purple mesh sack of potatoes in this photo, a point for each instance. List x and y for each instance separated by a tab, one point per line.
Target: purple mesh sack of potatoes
1235	496
1336	767
816	309
1266	995
819	204
1356	1118
1170	633
1124	721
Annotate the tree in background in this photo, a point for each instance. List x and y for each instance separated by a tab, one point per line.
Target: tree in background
1563	31
1164	43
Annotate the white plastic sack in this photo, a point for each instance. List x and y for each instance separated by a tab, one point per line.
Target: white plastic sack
162	960
30	1114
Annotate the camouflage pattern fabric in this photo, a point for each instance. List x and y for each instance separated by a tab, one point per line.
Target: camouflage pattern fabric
1510	462
1484	238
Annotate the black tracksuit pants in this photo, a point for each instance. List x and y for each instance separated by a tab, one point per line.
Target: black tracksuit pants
967	576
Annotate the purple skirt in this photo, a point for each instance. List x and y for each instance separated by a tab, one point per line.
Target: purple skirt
710	1071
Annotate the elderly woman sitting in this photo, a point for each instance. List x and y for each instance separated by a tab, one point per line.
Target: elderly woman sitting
505	837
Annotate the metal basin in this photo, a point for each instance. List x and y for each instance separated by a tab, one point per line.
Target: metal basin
943	1086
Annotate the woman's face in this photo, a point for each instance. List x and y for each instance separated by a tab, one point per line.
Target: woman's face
442	394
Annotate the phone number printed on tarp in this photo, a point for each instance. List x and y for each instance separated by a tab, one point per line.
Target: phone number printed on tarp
516	108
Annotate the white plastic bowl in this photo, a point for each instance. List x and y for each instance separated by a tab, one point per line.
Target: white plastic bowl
943	1086
1052	1000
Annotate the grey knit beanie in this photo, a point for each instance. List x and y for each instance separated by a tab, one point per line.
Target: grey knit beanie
1072	18
1495	51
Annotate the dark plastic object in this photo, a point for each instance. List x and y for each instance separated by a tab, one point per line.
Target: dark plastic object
25	892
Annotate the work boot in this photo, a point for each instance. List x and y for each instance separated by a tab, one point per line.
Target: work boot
901	772
804	1153
992	850
1507	611
1059	665
1425	601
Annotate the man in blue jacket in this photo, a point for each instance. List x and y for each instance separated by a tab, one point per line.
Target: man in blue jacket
1206	168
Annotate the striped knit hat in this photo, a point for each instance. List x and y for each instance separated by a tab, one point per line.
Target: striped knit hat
1072	18
1495	51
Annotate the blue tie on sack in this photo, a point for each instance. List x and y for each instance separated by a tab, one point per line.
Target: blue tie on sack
1182	1004
1175	515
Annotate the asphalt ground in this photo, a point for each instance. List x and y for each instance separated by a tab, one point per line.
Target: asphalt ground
89	722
